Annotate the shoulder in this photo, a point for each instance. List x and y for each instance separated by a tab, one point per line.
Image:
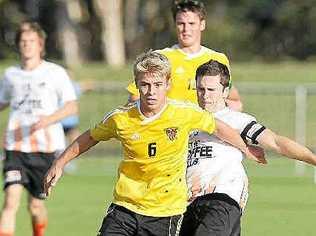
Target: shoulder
177	104
214	53
119	111
53	67
11	70
168	51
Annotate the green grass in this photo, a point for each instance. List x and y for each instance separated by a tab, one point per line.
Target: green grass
280	203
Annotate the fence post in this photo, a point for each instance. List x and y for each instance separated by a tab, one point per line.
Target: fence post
300	123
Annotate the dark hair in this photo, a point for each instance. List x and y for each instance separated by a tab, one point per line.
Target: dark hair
27	26
189	5
214	68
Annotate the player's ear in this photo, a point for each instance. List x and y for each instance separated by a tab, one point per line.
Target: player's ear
225	92
168	84
202	25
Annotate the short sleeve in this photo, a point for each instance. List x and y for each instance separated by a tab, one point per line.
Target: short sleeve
104	131
66	92
203	121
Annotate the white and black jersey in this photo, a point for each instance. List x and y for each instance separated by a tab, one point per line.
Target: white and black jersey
216	166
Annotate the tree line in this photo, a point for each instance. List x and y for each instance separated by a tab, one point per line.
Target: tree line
115	31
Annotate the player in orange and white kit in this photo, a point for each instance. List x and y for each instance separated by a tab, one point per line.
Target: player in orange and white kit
34	91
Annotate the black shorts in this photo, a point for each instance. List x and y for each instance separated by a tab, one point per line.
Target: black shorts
27	169
212	214
120	221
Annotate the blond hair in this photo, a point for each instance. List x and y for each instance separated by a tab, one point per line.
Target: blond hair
154	63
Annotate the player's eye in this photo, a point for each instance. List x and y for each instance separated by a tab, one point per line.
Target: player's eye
158	85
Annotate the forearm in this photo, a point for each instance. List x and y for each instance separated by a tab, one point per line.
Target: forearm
234	100
83	143
132	98
293	150
70	108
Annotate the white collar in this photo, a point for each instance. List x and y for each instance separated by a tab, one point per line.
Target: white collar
146	119
190	55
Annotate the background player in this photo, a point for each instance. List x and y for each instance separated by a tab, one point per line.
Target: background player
216	178
188	54
150	194
33	92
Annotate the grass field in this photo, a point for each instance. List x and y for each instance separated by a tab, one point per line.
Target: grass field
280	202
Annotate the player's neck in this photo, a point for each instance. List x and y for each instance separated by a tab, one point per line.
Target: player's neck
31	63
218	106
191	49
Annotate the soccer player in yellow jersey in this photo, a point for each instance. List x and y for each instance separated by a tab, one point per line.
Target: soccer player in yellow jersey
186	56
151	193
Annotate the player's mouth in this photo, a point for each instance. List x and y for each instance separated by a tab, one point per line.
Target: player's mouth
186	36
151	101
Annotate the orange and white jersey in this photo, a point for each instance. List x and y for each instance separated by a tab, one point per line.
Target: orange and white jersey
216	166
31	94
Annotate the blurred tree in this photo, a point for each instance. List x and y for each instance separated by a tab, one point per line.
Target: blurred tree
67	13
110	13
131	25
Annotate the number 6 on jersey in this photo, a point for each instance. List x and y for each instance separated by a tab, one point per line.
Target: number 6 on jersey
152	149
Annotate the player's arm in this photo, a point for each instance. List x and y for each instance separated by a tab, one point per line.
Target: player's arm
77	147
231	136
133	92
3	106
234	101
286	147
132	97
69	108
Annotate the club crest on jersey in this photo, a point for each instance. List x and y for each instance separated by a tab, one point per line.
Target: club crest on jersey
172	133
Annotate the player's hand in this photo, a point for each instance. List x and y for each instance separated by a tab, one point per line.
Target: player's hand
256	153
51	178
40	124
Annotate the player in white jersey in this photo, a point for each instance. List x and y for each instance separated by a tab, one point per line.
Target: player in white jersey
34	91
218	184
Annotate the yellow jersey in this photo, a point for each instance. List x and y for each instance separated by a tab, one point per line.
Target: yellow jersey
183	68
151	176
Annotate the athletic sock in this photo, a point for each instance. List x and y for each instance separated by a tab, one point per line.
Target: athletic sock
39	229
